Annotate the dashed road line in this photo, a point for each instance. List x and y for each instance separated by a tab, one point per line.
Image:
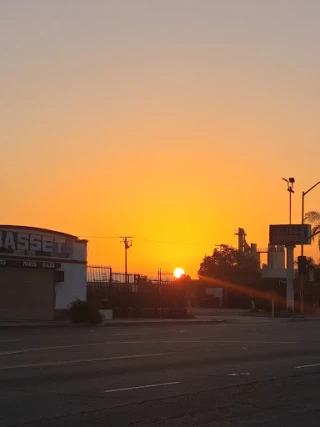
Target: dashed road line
141	387
61	347
312	365
79	361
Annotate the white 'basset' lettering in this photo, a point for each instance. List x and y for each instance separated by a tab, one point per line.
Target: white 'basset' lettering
13	241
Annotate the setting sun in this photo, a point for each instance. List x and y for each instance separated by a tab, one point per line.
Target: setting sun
178	272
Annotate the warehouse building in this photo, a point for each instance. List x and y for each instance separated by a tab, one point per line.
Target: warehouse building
40	270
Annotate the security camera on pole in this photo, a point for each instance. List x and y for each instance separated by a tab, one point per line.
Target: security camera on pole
290	183
290	254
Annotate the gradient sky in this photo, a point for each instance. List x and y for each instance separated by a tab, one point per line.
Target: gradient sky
170	120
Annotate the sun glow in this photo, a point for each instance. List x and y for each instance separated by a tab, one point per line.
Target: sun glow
178	272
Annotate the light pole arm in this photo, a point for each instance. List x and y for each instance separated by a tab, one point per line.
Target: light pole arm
306	192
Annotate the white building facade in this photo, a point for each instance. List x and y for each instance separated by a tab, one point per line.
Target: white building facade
40	270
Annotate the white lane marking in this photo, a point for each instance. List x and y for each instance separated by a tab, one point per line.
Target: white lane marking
75	362
242	374
57	347
140	387
312	365
9	341
207	342
60	347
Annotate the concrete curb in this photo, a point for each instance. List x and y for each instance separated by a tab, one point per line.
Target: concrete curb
111	324
47	326
285	318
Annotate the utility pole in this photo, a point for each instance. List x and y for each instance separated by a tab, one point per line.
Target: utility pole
127	240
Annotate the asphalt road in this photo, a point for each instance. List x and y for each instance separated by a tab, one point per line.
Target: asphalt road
249	374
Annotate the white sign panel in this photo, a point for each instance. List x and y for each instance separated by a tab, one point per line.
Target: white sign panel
290	234
35	244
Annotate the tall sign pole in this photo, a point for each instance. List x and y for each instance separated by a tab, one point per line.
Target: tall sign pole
290	235
290	277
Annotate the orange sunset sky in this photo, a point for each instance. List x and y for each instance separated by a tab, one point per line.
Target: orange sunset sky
173	121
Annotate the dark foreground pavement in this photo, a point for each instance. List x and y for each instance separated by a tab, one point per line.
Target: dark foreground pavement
248	374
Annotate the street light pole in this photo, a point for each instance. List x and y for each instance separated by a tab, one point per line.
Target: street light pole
304	193
290	195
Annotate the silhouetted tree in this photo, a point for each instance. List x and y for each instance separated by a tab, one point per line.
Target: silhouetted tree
232	267
184	278
227	263
314	218
313	267
310	263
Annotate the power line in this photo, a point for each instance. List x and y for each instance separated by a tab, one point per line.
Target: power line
99	237
151	240
174	243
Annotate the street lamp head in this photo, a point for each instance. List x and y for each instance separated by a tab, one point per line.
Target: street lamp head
290	183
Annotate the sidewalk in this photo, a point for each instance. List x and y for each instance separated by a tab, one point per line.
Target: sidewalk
223	318
40	324
164	322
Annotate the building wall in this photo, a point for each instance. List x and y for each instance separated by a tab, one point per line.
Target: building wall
65	251
216	292
75	277
80	251
274	273
276	257
74	285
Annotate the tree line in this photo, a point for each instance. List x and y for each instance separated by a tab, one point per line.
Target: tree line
229	264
